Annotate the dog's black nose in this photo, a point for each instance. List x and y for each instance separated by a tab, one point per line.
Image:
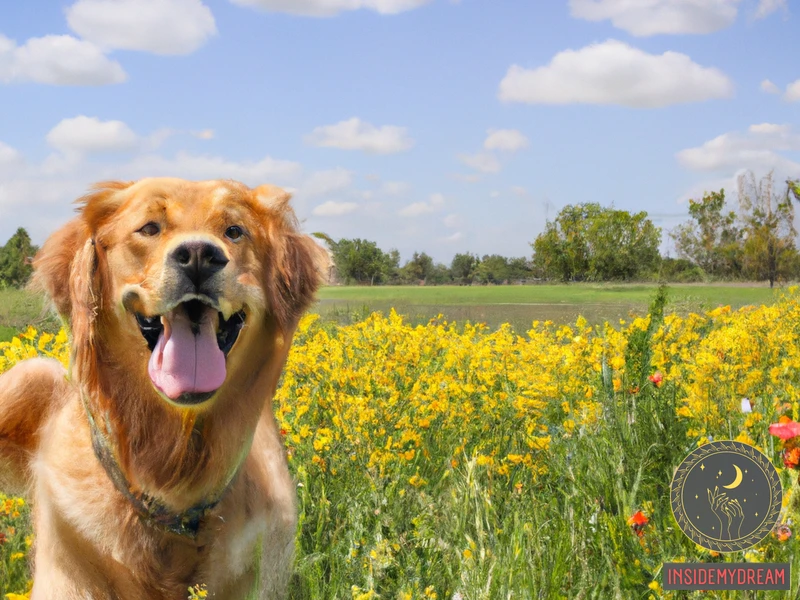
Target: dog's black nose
199	260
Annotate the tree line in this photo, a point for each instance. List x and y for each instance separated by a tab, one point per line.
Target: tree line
358	261
589	242
756	243
755	240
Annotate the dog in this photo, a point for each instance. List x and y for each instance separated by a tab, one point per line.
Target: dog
155	463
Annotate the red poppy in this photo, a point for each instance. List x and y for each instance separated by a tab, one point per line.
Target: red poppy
656	378
785	431
784	532
638	522
2	538
791	458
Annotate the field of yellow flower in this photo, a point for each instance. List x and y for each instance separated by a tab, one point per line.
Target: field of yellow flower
451	461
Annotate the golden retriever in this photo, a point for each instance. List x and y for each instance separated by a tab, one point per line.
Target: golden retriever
155	463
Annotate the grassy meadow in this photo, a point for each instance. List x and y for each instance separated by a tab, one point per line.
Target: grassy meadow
459	461
520	305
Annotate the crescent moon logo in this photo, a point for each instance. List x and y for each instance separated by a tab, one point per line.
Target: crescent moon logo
736	481
732	517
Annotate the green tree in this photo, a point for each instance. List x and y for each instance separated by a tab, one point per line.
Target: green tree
622	245
768	220
680	270
391	272
419	268
562	251
589	242
440	274
361	261
492	269
15	259
794	188
712	240
519	268
463	268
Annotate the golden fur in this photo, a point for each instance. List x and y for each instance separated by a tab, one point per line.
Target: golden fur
100	269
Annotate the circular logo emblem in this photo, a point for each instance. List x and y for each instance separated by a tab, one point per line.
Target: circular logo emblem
726	496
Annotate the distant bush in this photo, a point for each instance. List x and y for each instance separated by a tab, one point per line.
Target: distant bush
680	270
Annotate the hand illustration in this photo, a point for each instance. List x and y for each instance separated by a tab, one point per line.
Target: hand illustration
733	510
729	513
717	500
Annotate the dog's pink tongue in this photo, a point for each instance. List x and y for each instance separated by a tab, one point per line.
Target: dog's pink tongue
184	362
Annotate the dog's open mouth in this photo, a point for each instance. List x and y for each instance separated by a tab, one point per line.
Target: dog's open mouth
189	345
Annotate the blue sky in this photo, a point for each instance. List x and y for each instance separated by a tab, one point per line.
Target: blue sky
423	125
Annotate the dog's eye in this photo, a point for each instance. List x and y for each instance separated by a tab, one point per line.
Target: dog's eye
150	229
234	232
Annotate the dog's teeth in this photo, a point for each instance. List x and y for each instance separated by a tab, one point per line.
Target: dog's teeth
226	309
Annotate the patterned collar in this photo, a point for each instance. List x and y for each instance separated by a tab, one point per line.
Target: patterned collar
151	510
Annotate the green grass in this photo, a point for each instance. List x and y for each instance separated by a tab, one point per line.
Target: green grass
20	308
521	305
546	294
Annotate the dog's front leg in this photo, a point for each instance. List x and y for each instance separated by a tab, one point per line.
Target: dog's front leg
29	393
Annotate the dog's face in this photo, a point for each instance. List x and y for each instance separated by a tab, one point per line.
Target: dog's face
182	273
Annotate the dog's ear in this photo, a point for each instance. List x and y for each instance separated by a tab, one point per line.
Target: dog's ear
295	266
69	269
53	263
66	264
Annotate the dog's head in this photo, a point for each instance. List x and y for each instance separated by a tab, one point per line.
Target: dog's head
180	277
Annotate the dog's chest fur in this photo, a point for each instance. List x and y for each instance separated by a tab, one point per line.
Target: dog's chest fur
77	507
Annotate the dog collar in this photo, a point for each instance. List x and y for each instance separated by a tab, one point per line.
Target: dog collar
151	510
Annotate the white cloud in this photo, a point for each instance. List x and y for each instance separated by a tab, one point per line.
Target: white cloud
769	88
652	17
158	137
334	209
759	149
509	140
792	92
8	155
420	208
90	135
329	8
57	60
615	73
415	209
483	162
395	188
322	183
767	7
520	191
454	237
494	194
205	134
472	178
769	128
158	26
192	166
452	221
355	134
